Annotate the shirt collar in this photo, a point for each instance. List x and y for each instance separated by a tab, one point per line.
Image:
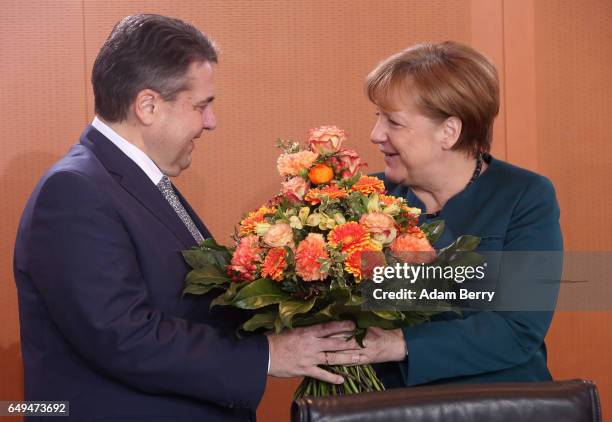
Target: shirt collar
137	155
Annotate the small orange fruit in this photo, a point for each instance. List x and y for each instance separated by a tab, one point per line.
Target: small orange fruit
320	173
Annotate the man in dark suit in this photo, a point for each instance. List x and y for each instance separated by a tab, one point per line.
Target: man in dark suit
98	265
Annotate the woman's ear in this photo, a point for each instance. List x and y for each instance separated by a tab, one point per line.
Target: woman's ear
451	129
145	106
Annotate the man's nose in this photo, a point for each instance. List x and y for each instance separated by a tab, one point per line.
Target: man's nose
209	119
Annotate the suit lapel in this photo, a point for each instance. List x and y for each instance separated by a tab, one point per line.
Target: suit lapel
137	183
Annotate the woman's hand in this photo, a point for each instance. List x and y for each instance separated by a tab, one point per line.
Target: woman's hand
383	346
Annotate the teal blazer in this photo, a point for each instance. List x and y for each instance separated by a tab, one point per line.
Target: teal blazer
510	209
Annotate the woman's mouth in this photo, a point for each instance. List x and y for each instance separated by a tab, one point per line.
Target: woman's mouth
389	157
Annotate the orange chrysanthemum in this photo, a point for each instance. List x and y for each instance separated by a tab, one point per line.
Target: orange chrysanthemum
413	247
315	195
353	237
245	259
308	255
368	185
247	225
361	263
274	265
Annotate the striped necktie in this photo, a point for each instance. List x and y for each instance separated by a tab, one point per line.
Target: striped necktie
167	190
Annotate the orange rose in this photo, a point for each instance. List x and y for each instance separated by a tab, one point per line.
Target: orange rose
279	235
326	139
347	163
380	225
320	174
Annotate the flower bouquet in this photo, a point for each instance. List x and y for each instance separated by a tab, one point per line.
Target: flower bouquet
300	258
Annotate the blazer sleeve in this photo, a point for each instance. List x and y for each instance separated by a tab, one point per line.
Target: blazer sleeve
491	341
85	268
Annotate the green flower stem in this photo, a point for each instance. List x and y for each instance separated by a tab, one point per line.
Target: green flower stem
357	379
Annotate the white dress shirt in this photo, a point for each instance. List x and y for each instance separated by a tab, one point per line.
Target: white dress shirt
137	155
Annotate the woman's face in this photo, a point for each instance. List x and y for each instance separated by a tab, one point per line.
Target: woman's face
409	140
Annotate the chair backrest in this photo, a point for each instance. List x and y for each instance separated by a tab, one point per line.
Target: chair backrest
574	400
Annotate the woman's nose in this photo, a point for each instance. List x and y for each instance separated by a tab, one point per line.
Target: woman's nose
378	136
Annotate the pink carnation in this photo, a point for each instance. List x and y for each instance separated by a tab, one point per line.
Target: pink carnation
293	164
413	248
245	258
307	256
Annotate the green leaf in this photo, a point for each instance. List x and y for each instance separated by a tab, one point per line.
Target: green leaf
433	230
198	258
206	276
289	308
199	289
339	293
324	315
263	320
225	298
466	243
369	319
278	325
360	334
465	259
211	244
220	300
259	293
209	253
389	315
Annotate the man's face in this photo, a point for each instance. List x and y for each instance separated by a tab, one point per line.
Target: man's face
181	121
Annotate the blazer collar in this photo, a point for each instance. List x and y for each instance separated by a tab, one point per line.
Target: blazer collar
137	183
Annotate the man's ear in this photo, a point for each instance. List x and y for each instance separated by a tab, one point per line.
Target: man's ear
451	129
146	105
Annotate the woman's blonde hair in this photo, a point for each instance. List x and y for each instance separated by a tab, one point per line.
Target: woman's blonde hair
445	79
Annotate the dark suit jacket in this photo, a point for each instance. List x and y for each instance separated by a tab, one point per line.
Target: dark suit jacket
103	325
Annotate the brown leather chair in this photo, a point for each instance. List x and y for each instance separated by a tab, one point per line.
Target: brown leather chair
575	401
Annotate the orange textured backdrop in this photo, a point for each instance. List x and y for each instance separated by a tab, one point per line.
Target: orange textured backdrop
289	66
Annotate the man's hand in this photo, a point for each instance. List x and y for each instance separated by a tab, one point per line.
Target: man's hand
297	352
